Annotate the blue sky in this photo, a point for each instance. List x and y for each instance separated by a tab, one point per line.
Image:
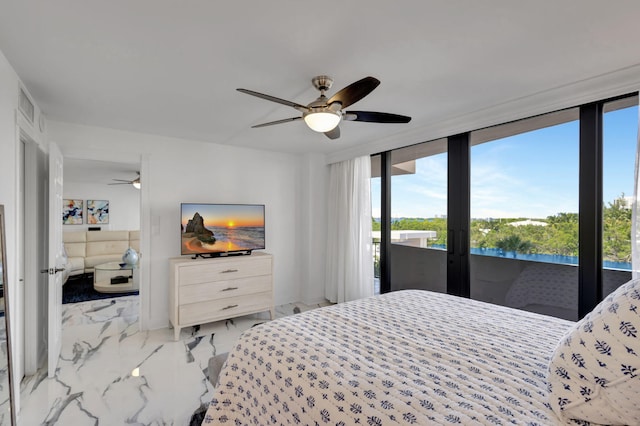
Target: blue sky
532	175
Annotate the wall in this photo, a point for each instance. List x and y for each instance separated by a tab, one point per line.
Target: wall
175	171
10	169
313	226
124	204
8	172
8	155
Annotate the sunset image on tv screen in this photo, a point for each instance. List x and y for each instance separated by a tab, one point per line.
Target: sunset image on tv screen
220	228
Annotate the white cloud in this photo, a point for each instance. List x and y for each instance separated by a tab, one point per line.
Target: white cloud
503	184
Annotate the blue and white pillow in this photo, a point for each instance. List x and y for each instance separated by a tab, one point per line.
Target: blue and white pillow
594	373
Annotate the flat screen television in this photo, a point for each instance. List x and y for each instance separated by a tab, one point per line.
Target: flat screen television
209	230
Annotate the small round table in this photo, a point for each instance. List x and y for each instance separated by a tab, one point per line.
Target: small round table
114	277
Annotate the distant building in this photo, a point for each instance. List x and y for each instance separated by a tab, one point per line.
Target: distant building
527	222
410	238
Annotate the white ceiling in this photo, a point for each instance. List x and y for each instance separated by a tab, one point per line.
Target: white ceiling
171	68
98	172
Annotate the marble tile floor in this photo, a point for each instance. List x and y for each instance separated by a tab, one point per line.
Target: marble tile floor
111	373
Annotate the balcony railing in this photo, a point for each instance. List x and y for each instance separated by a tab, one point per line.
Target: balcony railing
500	279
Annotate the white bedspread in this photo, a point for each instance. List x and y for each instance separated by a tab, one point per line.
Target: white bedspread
408	357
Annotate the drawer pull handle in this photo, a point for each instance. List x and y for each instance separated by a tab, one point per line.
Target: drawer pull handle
226	271
230	307
229	288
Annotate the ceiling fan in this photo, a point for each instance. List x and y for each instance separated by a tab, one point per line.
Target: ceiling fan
324	114
135	182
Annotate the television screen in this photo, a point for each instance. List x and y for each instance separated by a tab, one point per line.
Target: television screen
221	228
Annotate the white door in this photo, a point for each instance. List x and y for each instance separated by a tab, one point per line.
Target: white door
35	258
56	256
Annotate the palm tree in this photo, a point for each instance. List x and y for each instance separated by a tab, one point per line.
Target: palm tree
515	244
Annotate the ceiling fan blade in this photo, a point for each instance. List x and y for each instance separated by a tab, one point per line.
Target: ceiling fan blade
123	180
354	92
333	134
299	107
120	183
271	123
375	117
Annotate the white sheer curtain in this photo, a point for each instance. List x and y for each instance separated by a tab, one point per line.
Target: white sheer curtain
635	223
349	245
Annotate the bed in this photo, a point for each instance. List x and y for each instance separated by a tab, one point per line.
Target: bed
407	357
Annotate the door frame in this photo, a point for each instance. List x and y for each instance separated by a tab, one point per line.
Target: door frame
144	313
55	257
146	226
24	131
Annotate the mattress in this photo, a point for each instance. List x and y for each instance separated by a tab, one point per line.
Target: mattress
407	357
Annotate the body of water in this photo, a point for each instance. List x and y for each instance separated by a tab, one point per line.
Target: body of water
227	240
548	258
241	237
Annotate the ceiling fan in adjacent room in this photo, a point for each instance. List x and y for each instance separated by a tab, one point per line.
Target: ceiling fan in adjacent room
135	182
324	114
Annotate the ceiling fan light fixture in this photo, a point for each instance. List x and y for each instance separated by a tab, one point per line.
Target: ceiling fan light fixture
322	121
136	183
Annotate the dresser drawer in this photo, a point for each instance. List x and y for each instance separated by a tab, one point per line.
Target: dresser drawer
223	289
208	290
214	310
222	271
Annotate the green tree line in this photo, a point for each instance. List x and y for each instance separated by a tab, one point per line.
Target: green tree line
559	236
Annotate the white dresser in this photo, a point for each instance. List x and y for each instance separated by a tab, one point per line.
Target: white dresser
207	290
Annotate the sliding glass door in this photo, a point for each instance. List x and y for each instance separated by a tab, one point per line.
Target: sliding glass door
524	214
419	217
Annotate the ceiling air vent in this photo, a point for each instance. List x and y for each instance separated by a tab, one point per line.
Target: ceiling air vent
26	106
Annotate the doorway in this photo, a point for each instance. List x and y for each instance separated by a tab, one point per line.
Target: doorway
104	198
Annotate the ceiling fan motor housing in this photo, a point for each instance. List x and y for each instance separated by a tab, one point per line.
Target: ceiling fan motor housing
322	82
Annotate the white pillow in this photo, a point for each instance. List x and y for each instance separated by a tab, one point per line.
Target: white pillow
594	373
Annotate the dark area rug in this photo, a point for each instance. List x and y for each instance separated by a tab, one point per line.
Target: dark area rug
80	289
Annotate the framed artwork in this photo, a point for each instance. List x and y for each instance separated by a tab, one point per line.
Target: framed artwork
97	212
72	212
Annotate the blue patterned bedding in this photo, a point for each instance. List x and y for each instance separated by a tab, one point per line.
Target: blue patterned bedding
407	357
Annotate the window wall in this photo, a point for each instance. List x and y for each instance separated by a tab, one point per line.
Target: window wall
532	214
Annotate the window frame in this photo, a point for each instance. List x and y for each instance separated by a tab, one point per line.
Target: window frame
458	196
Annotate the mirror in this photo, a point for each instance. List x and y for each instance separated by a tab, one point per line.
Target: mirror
7	413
